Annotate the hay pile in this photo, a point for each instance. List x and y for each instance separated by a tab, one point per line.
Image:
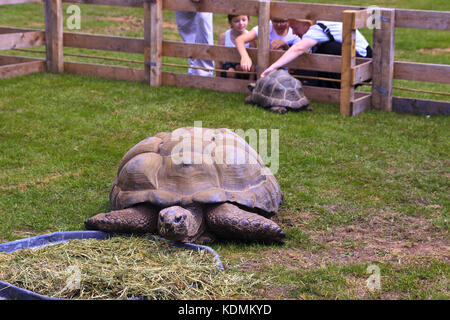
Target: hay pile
120	268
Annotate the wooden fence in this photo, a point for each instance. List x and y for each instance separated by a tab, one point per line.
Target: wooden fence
382	69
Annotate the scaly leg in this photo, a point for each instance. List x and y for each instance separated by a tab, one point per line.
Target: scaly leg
141	218
228	221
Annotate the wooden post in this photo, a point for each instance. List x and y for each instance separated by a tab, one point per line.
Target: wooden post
153	41
348	62
54	35
383	61
263	36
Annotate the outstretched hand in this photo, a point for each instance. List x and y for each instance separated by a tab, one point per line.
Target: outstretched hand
246	64
266	72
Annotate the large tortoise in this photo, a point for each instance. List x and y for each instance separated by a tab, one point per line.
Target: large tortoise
193	185
278	91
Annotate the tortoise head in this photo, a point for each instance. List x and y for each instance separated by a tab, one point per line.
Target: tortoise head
251	86
181	224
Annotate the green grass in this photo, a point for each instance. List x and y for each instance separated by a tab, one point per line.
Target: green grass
384	175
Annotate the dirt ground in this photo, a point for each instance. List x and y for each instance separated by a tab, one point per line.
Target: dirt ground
380	237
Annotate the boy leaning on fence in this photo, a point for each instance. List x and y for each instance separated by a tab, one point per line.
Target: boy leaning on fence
319	37
238	27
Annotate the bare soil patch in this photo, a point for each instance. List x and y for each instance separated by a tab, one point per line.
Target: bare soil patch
435	50
382	236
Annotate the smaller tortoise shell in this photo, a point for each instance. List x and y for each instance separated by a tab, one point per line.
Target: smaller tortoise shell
149	172
279	88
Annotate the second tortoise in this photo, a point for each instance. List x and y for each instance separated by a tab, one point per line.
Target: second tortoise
278	91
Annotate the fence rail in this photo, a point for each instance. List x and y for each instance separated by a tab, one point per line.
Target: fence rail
382	69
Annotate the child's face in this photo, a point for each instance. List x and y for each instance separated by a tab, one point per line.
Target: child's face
299	28
239	23
280	25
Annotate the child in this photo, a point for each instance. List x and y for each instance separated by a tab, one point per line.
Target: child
320	37
238	26
280	37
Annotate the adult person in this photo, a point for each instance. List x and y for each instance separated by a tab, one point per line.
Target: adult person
196	27
319	37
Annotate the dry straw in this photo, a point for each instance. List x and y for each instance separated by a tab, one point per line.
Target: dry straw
120	268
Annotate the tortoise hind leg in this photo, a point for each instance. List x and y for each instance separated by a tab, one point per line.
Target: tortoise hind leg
228	221
141	218
248	100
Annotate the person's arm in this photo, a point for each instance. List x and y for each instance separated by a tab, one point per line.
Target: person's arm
296	50
246	62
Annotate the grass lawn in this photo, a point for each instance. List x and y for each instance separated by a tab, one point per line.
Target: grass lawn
362	191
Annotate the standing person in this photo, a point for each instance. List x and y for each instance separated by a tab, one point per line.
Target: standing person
319	37
281	36
238	26
196	27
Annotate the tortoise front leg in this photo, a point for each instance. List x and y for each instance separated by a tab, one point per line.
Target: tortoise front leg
141	218
279	109
228	221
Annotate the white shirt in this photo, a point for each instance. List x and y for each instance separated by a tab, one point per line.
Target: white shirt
290	38
229	42
315	32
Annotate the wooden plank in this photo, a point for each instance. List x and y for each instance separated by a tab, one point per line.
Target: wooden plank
4	29
325	95
422	107
328	95
361	104
210	83
428	72
311	11
102	42
361	18
54	35
21	40
119	3
104	71
362	72
249	7
422	19
153	42
263	60
5	59
318	62
20	69
203	51
383	62
348	61
7	2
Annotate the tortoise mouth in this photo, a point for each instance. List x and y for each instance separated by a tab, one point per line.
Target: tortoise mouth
181	224
173	229
174	223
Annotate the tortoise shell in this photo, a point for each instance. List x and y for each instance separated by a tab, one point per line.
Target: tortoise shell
279	88
195	165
